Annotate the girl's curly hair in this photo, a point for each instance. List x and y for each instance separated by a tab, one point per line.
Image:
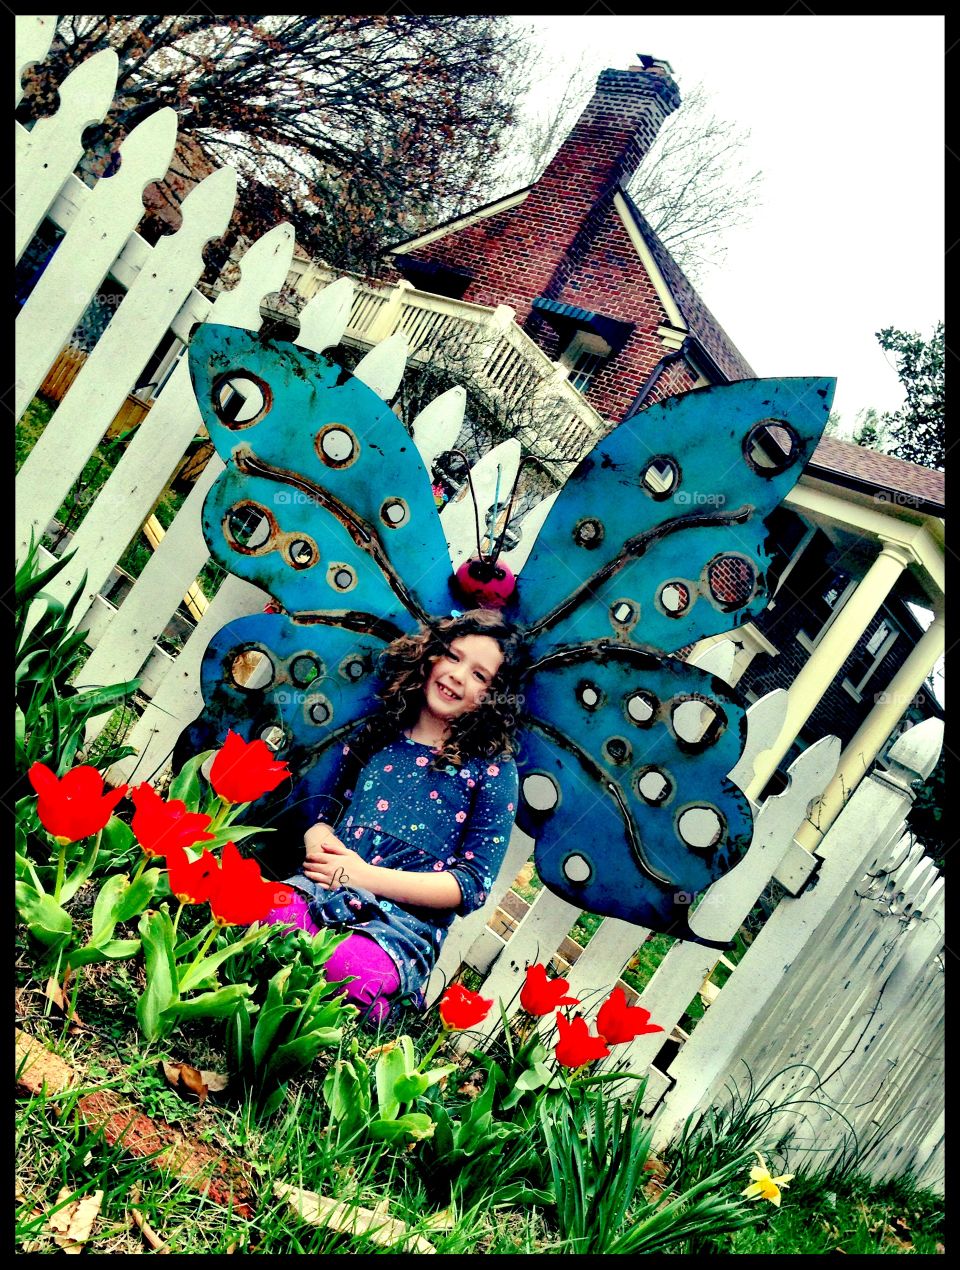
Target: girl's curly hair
405	665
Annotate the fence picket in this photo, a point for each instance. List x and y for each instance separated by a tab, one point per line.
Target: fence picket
33	37
48	153
93	241
130	638
529	528
465	933
382	368
99	390
324	317
178	701
601	963
158	444
438	425
728	901
764	723
751	994
542	928
457	517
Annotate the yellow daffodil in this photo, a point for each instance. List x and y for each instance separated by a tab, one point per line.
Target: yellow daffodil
762	1185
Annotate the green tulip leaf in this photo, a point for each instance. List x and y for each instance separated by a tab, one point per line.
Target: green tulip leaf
415	1125
209	1005
112	950
185	786
156	932
44	917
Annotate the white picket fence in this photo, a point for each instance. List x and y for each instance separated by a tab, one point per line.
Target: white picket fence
845	976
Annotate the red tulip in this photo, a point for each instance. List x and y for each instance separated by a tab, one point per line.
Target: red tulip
160	826
240	894
618	1022
576	1046
191	881
461	1009
540	995
245	770
72	806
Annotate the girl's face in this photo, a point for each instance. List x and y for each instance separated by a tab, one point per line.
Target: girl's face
460	678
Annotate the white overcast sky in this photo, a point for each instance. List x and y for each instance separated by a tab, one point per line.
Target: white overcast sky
846	122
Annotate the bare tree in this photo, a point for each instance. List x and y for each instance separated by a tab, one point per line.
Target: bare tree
355	124
692	187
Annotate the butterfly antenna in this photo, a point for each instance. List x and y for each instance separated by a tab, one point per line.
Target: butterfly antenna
473	496
496	505
506	520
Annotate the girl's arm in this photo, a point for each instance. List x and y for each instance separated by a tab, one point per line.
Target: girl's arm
332	864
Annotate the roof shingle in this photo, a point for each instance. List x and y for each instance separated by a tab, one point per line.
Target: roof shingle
844	458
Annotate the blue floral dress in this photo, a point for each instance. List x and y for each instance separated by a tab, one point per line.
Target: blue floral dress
405	815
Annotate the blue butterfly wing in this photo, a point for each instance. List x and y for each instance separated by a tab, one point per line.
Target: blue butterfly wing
623	782
658	537
325	502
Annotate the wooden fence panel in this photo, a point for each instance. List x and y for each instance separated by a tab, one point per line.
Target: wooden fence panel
155	450
780	1007
121	352
111	212
48	153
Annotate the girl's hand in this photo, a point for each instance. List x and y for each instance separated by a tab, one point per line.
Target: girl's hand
331	864
320	836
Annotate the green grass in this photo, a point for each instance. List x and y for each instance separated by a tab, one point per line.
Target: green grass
852	1217
55	1151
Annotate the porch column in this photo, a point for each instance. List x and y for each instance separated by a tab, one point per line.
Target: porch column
830	654
856	759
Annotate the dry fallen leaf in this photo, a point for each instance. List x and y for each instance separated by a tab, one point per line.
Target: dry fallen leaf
376	1050
184	1077
57	993
72	1224
443	1220
338	1214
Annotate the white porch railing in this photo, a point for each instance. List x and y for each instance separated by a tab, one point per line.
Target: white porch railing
504	360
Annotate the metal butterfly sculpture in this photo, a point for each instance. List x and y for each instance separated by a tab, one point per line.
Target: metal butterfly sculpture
656	540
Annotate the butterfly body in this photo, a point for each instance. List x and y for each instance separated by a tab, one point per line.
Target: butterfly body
656	540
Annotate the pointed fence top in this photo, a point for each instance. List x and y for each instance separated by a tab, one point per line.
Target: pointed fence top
917	750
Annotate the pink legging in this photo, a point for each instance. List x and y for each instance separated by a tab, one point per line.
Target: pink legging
376	977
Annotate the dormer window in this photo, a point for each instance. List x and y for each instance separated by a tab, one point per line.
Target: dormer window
586	355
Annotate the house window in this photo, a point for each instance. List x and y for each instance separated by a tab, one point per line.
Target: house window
791	536
585	355
869	658
825	605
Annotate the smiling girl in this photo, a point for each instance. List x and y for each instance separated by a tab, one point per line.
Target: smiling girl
429	813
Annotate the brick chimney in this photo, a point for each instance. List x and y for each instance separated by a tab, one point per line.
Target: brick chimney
610	139
528	250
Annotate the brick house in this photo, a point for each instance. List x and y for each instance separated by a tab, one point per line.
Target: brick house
591	283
